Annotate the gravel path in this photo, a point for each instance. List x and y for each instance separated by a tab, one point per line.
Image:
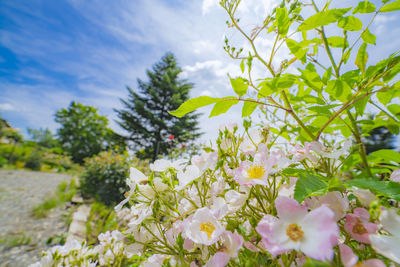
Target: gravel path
20	191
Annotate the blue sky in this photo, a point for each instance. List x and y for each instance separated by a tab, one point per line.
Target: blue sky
53	52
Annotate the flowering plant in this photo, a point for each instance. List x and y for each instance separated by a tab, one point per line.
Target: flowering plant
300	190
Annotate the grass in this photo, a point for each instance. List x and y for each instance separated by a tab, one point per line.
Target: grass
15	240
101	219
64	193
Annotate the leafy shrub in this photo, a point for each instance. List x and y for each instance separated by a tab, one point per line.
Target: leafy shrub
104	177
34	161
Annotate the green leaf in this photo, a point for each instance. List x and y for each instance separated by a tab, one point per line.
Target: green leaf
364	7
386	154
242	65
283	21
327	75
337	41
312	78
278	83
223	106
239	85
296	49
386	188
386	96
323	18
362	57
313	263
360	105
193	104
338	90
394	109
309	185
391	7
248	108
368	37
350	23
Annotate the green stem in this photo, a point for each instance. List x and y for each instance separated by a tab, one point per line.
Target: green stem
291	111
361	149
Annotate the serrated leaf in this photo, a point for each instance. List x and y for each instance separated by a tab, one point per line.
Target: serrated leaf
193	104
309	185
248	108
296	49
350	23
362	57
322	18
368	37
386	188
391	7
337	41
339	90
223	106
364	7
239	85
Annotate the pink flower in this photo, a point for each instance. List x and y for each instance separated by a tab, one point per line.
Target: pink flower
338	203
256	172
314	233
349	259
395	176
220	259
358	226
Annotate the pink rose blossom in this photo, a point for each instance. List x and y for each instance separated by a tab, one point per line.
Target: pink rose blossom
349	259
358	226
314	233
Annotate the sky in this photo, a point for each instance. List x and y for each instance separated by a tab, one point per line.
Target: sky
55	52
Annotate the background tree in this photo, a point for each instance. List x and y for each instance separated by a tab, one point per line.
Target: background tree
84	132
379	138
43	137
145	116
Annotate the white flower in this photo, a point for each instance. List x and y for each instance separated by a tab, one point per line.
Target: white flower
191	173
204	227
235	200
162	165
135	177
154	261
251	141
332	153
364	196
388	245
159	185
205	160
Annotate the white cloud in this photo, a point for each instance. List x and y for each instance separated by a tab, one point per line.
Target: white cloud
6	106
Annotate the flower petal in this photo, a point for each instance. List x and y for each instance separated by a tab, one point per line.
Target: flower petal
388	246
289	209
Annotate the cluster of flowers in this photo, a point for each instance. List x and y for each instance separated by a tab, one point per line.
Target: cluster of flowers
234	204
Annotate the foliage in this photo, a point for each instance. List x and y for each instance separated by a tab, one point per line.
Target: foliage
100	220
145	114
84	132
378	138
104	177
43	137
34	161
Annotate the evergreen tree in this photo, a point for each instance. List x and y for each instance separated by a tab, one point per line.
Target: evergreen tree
379	138
151	129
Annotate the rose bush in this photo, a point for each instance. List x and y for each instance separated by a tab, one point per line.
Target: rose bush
300	190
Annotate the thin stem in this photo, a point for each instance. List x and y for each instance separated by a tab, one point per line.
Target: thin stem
291	111
361	149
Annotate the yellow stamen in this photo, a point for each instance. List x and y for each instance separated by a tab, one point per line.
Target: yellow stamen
359	228
294	232
255	172
208	228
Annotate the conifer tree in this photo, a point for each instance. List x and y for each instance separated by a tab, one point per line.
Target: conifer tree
151	130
